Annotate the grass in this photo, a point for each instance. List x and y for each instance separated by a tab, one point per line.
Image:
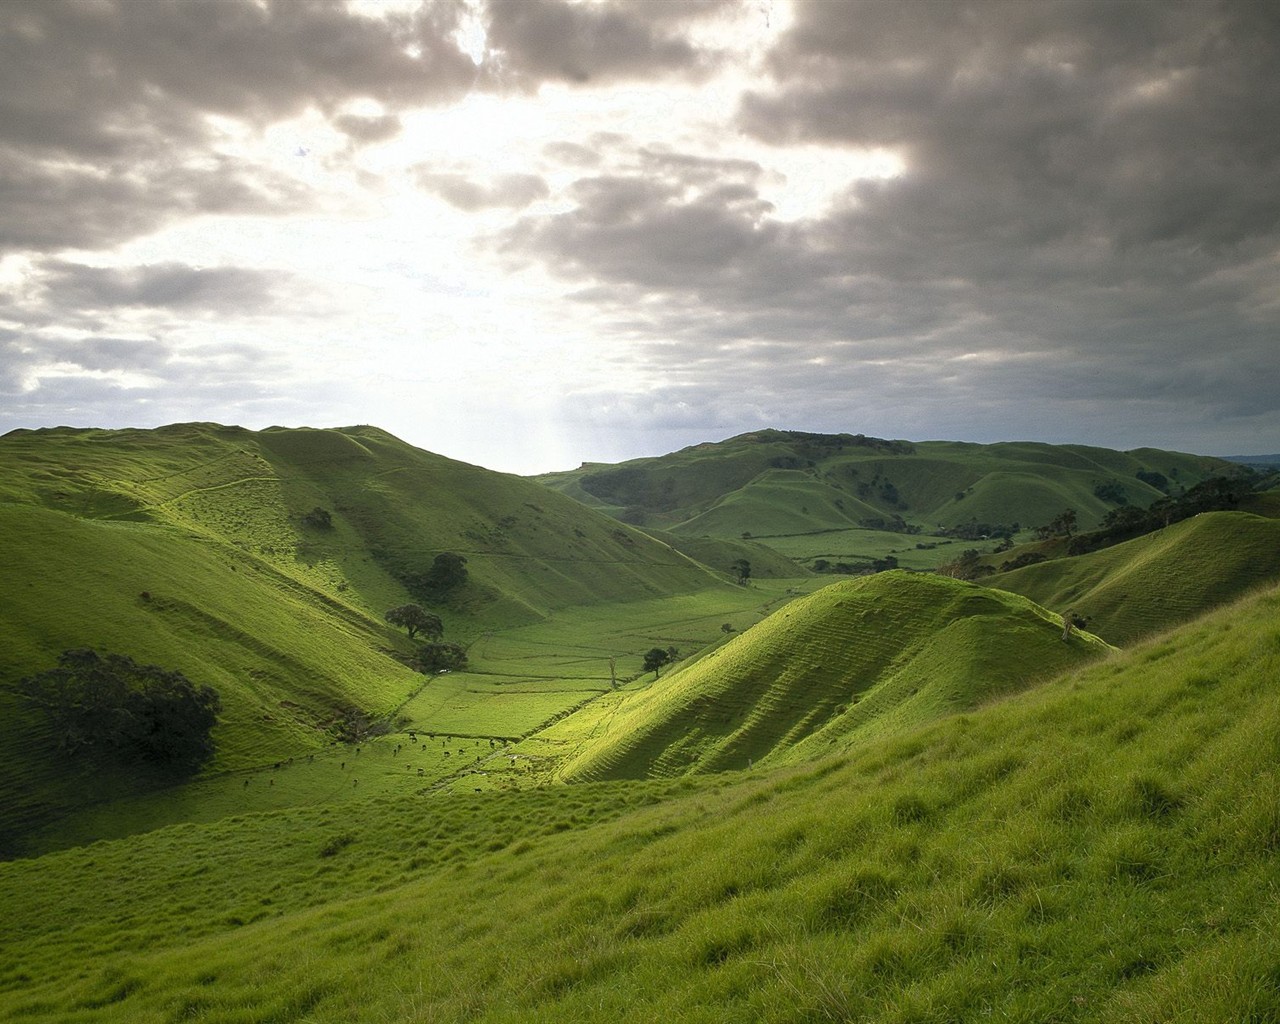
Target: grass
922	835
1101	848
774	484
1154	582
856	657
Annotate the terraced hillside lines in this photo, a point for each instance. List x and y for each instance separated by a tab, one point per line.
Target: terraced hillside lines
1157	581
856	657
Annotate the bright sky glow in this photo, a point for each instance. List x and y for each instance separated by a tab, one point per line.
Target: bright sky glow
528	234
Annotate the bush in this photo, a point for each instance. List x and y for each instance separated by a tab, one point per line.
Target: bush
318	519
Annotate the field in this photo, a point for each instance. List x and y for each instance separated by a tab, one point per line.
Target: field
1102	848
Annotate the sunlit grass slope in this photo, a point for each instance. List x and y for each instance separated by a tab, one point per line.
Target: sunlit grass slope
186	547
1157	581
855	658
774	484
1101	848
394	507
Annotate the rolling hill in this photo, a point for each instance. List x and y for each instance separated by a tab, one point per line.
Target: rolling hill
190	547
774	484
857	658
1157	581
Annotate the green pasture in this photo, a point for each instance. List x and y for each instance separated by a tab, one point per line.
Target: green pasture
1100	848
860	545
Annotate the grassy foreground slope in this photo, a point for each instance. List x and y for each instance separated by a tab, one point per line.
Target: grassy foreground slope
1159	580
859	656
1102	848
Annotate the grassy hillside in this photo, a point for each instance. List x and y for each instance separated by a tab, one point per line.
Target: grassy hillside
393	507
795	490
858	657
1159	580
187	547
1102	848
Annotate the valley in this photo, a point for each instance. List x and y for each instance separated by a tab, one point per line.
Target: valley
868	779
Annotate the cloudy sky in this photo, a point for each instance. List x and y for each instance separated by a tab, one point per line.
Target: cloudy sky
529	233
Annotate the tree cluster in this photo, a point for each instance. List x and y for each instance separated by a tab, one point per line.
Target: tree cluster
434	656
109	703
1217	494
414	619
974	530
1061	525
867	568
318	519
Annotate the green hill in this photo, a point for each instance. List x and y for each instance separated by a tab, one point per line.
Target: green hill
856	658
1103	848
780	487
190	547
1159	580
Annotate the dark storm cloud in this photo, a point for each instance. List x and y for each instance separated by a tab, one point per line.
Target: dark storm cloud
368	129
466	193
1090	184
104	130
176	286
551	40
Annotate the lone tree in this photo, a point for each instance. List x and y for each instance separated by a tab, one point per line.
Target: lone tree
441	657
657	657
416	620
110	703
448	572
741	570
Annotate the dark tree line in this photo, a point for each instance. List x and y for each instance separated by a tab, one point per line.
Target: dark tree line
1217	494
111	704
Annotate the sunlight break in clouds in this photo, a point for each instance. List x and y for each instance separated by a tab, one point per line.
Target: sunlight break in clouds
528	233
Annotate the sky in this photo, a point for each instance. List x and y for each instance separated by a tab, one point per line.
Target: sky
532	233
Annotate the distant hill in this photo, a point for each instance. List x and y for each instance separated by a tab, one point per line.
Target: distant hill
858	657
1261	461
773	484
193	547
1157	581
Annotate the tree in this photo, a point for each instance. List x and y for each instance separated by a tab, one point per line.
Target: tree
448	572
416	620
655	659
111	703
441	657
1061	525
741	570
